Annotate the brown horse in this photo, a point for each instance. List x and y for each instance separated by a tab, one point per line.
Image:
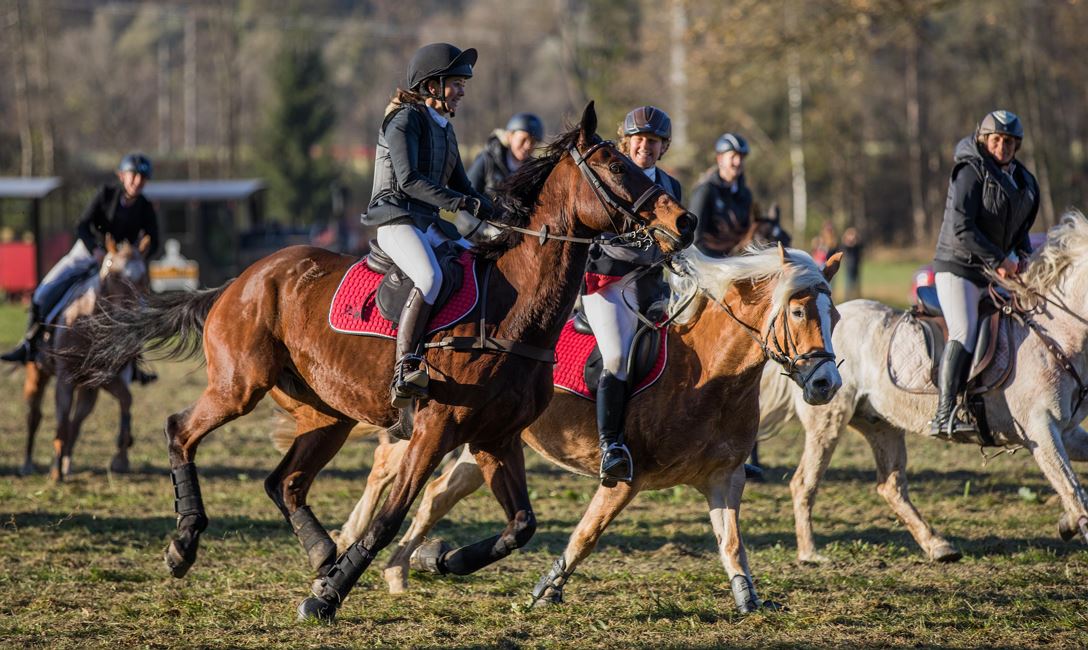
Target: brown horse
761	306
121	277
267	331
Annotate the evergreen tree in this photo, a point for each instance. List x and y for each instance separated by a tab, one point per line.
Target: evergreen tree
300	121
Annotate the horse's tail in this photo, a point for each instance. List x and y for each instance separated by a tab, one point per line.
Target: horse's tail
166	326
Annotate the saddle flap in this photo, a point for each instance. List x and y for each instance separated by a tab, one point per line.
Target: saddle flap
641	361
396	285
917	346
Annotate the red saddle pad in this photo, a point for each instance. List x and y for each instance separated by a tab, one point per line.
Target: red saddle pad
574	349
354	310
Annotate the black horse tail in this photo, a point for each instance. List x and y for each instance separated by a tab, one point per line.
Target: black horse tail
164	326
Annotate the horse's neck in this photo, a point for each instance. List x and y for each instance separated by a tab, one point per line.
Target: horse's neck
543	280
1068	314
721	345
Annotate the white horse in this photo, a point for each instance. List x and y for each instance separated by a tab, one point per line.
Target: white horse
1039	407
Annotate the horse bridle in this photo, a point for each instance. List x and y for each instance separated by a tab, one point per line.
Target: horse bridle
773	348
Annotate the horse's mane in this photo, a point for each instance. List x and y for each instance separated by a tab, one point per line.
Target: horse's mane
1066	242
517	195
716	275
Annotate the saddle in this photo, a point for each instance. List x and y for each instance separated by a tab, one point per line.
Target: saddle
930	316
396	286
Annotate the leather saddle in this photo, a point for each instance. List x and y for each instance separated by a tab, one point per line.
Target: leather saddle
645	348
928	313
396	285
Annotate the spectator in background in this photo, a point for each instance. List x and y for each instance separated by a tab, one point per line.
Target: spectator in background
506	150
722	200
851	262
825	244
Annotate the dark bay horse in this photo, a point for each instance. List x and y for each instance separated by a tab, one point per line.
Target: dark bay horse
121	277
267	331
713	377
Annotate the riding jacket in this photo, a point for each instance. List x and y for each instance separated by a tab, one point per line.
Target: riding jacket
417	171
490	167
724	213
106	215
987	215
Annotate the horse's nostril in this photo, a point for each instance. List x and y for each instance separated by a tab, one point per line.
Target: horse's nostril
685	225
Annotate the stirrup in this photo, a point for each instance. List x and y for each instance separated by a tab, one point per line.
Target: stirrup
410	381
607	475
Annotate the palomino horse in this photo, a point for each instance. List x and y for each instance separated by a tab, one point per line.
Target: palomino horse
760	305
1039	408
267	330
122	277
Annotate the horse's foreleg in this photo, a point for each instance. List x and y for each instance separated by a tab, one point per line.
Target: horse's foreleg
120	391
63	397
723	494
890	452
320	439
1047	448
387	459
457	482
422	457
504	471
603	508
85	401
821	437
33	392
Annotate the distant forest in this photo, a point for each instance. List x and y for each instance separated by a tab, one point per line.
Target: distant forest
852	107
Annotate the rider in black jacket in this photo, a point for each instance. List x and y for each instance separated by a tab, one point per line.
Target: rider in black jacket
505	152
992	203
722	201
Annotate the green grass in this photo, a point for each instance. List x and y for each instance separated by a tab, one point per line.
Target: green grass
82	561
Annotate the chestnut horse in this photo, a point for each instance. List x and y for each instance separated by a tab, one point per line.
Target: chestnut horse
765	304
267	331
121	277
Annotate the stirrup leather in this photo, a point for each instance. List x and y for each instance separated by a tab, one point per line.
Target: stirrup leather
624	456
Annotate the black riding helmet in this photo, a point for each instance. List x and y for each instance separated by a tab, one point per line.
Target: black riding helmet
1003	122
527	122
648	119
439	60
136	162
731	142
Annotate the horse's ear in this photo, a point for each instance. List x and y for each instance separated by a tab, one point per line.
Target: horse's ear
775	213
111	245
588	124
145	245
782	253
832	266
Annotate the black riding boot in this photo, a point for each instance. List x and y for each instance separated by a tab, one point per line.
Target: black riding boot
24	352
616	462
955	364
409	379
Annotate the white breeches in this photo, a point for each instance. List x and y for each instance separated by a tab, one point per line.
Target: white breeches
959	301
413	252
613	324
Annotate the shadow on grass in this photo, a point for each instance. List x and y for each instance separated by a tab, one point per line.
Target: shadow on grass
990	482
147	529
147	471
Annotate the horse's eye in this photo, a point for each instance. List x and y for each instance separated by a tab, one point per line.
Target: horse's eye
797	313
616	168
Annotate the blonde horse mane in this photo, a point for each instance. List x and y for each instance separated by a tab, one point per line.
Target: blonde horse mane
716	275
1066	243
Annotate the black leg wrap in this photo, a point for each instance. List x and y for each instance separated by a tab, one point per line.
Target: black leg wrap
472	558
744	592
549	589
343	575
429	557
181	553
319	547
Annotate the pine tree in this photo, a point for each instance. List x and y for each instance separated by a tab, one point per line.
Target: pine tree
300	121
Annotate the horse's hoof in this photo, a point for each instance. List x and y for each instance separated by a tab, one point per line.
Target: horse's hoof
55	474
428	555
397	579
945	552
27	469
176	561
120	465
771	606
551	598
1066	528
316	609
813	558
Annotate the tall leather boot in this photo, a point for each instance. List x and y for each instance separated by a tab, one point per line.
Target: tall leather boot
410	380
24	352
616	462
955	365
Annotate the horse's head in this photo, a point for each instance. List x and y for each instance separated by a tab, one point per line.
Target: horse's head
782	300
616	196
124	269
767	229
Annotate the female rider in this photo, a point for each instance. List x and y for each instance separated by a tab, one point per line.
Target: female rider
417	171
992	203
644	136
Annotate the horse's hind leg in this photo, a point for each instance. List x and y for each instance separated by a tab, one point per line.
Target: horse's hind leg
603	508
890	452
460	480
723	494
33	392
63	397
387	459
120	391
319	438
86	398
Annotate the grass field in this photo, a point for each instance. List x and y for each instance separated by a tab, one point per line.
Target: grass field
82	561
